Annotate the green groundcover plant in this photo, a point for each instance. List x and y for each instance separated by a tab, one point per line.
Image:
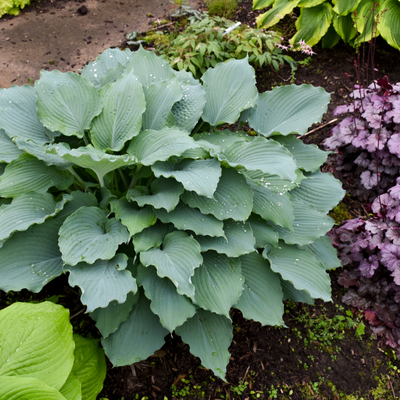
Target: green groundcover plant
40	358
353	21
126	178
12	6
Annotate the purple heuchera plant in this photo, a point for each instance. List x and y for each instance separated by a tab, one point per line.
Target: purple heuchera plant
367	143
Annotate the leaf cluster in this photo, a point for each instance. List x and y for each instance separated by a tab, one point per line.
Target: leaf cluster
353	21
203	44
123	178
12	7
41	358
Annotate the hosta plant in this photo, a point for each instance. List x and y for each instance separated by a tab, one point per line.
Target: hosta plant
40	358
367	140
353	21
127	179
12	7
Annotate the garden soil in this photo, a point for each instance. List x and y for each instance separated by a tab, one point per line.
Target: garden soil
266	362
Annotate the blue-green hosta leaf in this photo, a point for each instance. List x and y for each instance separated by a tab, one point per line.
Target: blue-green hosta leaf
313	24
273	206
8	150
188	110
89	366
172	308
209	335
344	26
263	232
133	217
160	97
79	199
320	190
36	342
307	156
186	218
163	193
230	89
267	156
287	109
276	13
40	152
111	75
151	146
308	225
2	168
218	282
344	7
301	268
27	173
96	71
298	296
151	237
21	388
232	199
121	119
239	240
200	176
324	252
177	260
148	67
66	102
96	160
216	141
262	295
18	116
72	388
88	235
28	209
103	281
137	338
30	259
108	319
389	22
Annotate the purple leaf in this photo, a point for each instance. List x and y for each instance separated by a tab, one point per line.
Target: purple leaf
369	180
368	267
393	234
394	144
390	256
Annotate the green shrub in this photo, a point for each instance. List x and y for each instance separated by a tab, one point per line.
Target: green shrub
12	7
203	44
222	8
353	21
41	358
124	178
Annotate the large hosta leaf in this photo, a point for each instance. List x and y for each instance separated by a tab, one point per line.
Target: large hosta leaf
218	282
389	22
172	308
151	146
232	199
163	193
133	217
160	97
313	24
344	26
320	190
344	7
209	335
224	101
88	235
275	114
260	4
177	260
263	232
185	218
27	173
151	237
28	209
262	295
18	116
36	342
31	259
301	268
200	176
239	240
291	293
72	388
79	199
277	12
273	207
103	281
365	20
121	119
267	156
307	156
324	252
8	150
137	338
66	102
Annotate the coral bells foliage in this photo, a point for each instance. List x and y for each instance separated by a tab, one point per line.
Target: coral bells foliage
367	142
